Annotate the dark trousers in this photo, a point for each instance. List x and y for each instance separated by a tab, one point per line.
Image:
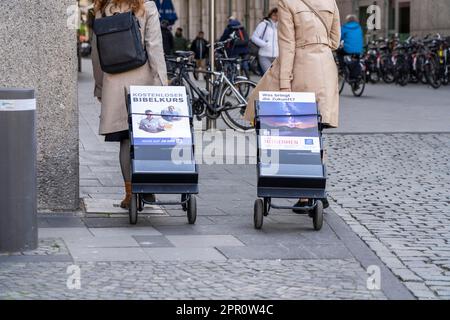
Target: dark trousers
354	66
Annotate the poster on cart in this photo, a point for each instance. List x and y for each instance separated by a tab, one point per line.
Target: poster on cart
160	116
288	121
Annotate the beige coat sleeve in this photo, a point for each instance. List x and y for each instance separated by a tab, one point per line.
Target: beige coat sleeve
153	43
98	73
286	42
335	32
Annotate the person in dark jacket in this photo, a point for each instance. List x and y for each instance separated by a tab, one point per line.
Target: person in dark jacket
200	48
168	42
240	46
180	42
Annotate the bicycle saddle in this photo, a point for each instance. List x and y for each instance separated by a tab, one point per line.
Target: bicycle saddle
184	54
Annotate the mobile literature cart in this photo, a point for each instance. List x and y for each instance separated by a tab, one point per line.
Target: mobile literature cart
290	155
162	149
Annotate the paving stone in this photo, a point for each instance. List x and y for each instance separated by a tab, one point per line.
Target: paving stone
194	241
81	254
64	222
113	222
153	242
64	233
285	252
101	206
130	231
102	242
184	254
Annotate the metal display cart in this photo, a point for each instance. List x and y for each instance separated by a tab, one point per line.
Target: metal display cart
155	166
290	158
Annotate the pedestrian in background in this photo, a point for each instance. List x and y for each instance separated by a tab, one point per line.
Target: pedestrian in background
167	38
266	38
238	48
200	48
109	88
352	37
180	43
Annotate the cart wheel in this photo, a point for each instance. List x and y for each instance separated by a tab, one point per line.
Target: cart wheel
140	203
258	216
134	209
192	210
318	216
184	205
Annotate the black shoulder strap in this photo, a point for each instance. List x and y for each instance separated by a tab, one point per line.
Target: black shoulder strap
265	29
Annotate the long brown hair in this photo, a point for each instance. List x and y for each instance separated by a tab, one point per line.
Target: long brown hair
137	6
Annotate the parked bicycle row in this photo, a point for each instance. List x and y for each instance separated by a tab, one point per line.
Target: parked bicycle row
416	60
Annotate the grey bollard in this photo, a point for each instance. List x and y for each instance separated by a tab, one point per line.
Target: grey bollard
18	201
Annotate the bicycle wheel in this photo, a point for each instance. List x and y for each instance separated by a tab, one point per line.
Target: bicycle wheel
432	72
420	66
234	107
402	78
358	87
387	70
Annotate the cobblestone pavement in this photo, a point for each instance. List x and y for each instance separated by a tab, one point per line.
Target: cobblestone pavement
236	279
222	257
394	192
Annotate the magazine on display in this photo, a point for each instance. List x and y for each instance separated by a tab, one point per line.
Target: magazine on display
288	121
160	116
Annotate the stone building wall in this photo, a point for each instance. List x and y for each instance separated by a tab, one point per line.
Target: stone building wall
38	50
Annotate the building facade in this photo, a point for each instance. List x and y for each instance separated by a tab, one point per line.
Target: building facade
406	17
194	14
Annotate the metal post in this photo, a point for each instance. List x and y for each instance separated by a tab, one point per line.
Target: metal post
18	211
211	124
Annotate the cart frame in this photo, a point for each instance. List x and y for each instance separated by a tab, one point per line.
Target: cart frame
264	204
139	190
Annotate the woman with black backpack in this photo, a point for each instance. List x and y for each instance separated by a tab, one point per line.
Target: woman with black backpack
119	65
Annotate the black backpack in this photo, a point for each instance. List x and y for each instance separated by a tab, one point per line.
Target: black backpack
242	37
119	43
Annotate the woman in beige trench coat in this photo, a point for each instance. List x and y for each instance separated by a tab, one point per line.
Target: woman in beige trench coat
306	62
110	88
308	31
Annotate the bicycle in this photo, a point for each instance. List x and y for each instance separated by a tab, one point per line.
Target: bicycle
226	99
356	82
234	67
435	65
401	65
